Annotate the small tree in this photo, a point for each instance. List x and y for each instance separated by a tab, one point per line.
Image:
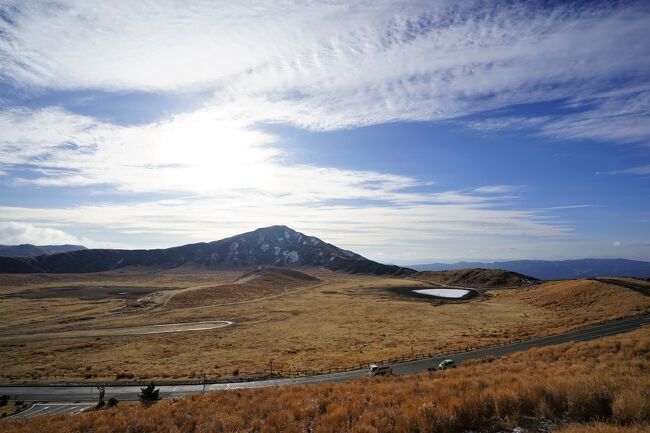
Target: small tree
149	395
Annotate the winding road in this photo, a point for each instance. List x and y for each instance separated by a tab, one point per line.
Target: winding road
73	395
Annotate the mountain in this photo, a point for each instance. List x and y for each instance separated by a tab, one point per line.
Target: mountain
29	250
556	270
477	278
275	246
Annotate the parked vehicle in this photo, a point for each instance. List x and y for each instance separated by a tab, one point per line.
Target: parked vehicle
376	370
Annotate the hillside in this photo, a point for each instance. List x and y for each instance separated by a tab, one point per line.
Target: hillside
477	278
272	246
29	250
576	302
282	314
559	388
354	266
555	270
576	298
251	285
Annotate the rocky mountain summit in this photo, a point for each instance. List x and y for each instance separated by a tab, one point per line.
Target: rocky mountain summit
274	246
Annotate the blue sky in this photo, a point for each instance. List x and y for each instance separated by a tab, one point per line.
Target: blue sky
406	131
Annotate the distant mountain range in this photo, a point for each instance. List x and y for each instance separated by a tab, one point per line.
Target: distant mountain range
275	246
29	250
555	270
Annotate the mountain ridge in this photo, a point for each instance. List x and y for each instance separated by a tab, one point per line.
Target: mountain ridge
275	245
31	250
554	269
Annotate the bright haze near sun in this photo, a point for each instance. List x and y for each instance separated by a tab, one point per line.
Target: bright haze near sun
405	131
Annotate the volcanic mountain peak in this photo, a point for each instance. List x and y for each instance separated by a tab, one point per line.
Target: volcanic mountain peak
274	246
286	245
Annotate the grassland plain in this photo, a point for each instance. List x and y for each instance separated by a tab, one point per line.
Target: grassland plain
602	386
295	321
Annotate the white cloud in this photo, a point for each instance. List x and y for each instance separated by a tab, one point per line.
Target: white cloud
496	189
506	123
431	228
12	233
571	206
640	170
236	180
317	65
328	65
200	153
619	117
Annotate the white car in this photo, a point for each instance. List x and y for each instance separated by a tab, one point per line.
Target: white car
376	370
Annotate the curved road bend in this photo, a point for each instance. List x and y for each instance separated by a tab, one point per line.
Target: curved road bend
62	393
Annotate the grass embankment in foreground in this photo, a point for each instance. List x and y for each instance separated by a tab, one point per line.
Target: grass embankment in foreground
605	381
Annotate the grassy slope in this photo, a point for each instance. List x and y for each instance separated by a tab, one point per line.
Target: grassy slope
252	285
476	278
606	380
348	320
582	299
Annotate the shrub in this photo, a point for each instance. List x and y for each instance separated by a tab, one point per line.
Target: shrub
149	395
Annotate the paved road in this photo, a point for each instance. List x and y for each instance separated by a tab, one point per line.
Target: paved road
39	409
56	393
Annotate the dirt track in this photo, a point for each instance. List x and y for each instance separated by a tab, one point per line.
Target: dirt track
164	328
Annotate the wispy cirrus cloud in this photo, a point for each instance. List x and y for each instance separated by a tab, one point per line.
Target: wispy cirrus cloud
229	178
315	65
497	189
640	170
322	65
621	117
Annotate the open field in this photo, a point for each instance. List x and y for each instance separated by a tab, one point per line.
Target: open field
602	386
310	319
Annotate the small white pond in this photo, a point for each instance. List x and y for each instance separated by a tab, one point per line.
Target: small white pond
443	293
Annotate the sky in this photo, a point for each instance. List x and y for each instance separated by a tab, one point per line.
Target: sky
409	132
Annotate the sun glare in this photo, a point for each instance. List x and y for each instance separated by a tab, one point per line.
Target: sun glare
201	152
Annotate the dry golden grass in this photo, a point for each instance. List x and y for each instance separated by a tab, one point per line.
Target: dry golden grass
180	278
251	286
344	321
605	381
584	299
29	315
477	278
